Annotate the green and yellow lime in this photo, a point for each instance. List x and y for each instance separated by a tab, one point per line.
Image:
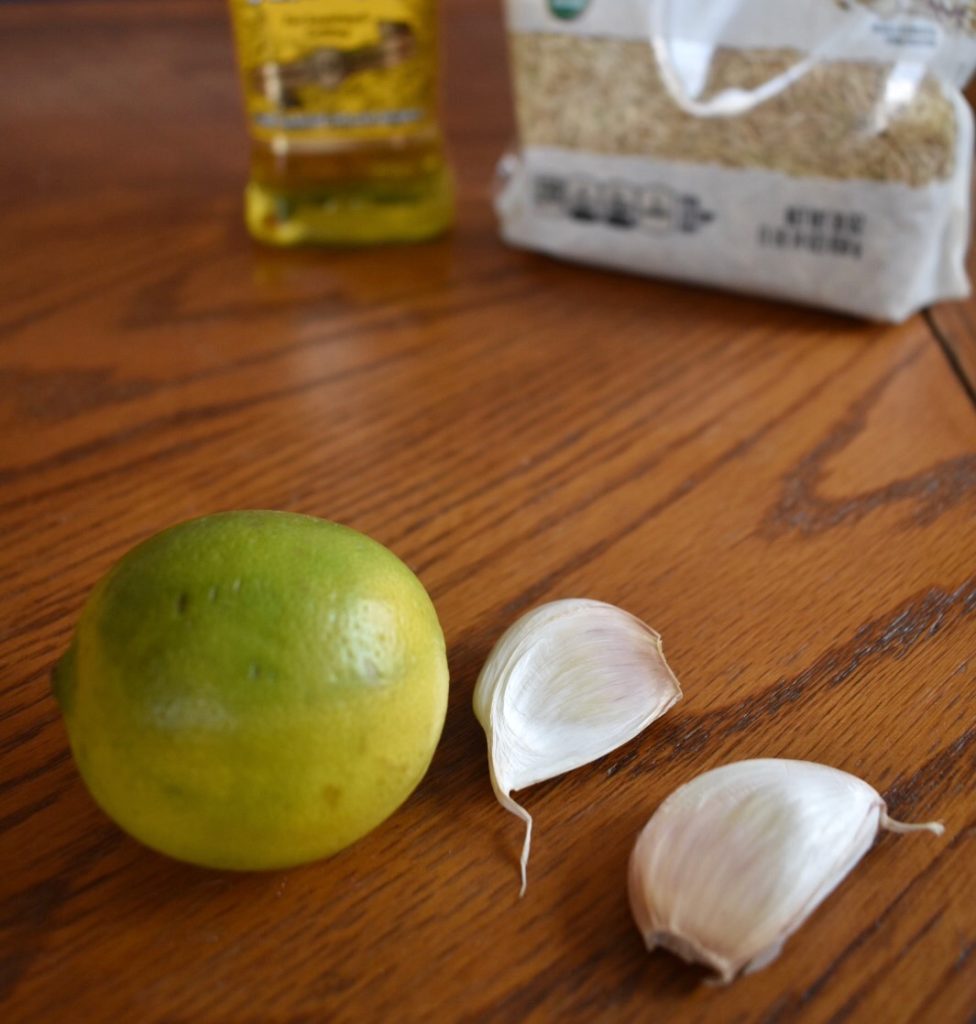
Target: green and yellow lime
254	689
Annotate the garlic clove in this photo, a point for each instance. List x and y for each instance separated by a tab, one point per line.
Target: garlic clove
733	862
567	683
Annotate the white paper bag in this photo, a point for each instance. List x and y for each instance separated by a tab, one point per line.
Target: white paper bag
811	150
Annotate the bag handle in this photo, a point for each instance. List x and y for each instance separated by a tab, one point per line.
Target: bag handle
734	101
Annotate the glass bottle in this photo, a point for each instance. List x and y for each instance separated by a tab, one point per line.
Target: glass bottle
341	103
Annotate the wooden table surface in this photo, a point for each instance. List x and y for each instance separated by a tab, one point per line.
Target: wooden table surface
787	496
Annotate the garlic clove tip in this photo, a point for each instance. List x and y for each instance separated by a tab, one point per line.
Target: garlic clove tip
890	825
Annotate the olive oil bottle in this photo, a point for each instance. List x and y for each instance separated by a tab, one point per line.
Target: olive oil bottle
341	103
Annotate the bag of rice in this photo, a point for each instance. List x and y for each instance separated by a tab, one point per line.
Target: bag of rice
813	150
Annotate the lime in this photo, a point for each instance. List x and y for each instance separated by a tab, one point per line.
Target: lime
254	689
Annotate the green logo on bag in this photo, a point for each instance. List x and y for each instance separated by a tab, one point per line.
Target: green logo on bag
567	9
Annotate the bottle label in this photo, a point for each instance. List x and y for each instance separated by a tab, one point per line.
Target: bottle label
337	70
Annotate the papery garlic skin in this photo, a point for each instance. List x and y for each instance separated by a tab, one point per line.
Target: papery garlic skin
565	684
733	862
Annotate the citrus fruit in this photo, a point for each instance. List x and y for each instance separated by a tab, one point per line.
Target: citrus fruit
254	689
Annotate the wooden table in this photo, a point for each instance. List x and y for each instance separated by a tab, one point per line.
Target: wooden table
787	496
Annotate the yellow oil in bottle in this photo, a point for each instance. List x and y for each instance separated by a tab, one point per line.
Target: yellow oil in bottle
341	102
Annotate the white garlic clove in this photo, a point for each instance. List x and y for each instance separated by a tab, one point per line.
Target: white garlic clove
567	683
733	862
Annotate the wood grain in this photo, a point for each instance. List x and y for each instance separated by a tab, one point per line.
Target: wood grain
954	324
787	496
